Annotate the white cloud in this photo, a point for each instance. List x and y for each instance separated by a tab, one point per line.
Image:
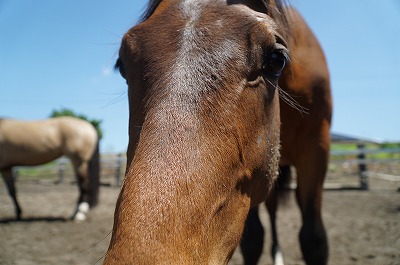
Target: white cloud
106	71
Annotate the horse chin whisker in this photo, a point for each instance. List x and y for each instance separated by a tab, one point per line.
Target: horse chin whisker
104	255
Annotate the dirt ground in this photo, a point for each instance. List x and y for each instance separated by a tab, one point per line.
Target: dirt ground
363	226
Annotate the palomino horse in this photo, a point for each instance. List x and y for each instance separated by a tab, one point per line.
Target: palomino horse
204	127
31	143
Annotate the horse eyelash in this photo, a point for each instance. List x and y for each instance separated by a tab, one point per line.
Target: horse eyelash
288	99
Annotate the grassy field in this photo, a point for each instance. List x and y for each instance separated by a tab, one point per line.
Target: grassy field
341	151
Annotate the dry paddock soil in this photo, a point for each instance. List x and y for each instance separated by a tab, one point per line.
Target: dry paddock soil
363	227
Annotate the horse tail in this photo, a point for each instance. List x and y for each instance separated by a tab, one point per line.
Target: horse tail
94	176
282	183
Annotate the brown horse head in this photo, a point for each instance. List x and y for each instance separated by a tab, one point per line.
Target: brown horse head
204	128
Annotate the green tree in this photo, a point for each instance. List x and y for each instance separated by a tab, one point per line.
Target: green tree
390	145
67	112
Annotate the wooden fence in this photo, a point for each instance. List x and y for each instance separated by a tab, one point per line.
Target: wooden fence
365	159
59	171
113	167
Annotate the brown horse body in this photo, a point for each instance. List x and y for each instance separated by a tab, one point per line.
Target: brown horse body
305	141
204	127
31	143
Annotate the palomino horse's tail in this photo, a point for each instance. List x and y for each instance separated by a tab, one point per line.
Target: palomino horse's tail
94	177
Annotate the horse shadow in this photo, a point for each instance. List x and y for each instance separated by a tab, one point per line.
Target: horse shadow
51	219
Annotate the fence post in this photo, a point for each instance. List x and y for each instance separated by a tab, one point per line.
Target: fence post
61	171
118	170
362	167
14	173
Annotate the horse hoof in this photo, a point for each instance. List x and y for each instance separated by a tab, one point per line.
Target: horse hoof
83	209
278	258
79	217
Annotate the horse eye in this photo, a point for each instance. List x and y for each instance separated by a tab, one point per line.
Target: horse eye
274	63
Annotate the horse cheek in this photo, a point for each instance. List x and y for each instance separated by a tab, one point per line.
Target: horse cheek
268	144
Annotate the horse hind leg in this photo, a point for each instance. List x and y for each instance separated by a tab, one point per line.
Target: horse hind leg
81	211
82	208
9	180
272	204
252	242
278	191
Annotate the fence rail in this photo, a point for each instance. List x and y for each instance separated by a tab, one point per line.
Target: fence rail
113	166
365	151
359	158
59	171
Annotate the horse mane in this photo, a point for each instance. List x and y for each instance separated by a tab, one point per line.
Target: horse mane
150	9
275	8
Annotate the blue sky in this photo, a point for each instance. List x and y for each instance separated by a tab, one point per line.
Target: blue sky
59	54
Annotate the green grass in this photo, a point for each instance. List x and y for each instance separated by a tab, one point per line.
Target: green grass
46	171
369	146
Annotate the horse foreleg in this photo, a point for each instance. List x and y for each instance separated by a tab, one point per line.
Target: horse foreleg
9	180
313	238
252	242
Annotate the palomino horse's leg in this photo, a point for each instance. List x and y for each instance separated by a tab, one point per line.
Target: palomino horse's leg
311	170
9	180
82	175
252	241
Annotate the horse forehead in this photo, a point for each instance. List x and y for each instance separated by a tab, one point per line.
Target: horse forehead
191	28
199	11
192	9
193	13
179	31
206	23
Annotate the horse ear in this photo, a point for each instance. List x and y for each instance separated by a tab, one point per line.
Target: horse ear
120	67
